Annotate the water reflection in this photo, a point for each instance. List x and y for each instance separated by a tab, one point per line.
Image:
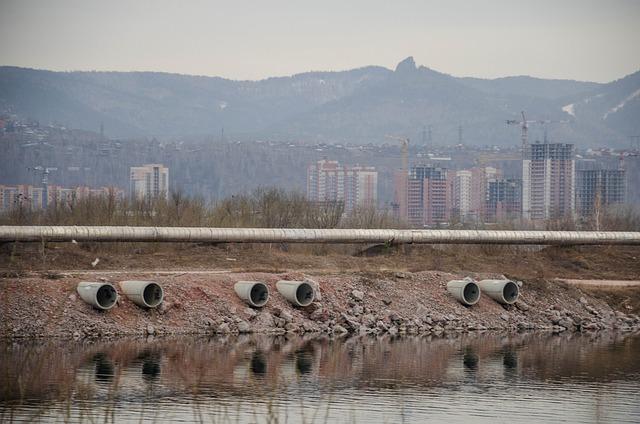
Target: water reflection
150	364
258	364
304	361
470	359
509	359
257	371
103	367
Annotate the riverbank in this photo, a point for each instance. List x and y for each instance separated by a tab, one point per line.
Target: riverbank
393	302
360	291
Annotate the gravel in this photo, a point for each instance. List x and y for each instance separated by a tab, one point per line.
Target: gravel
355	303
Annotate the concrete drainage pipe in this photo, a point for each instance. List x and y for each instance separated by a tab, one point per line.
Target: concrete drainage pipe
147	294
299	293
465	291
502	291
255	293
99	295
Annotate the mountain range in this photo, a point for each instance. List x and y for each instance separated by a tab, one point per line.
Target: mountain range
354	106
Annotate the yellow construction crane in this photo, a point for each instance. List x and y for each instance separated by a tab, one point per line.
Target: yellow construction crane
404	147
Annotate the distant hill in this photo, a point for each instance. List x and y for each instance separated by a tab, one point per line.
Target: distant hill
615	105
359	106
530	87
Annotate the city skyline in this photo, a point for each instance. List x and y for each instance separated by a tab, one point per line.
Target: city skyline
550	186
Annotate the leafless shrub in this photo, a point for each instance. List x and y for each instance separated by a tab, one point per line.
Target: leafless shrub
369	217
265	207
621	218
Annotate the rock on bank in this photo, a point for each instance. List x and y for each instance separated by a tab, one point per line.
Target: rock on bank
41	305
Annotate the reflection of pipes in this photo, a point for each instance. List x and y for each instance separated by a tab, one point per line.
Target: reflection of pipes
150	365
304	361
104	367
147	294
99	295
465	291
470	359
299	293
510	359
150	369
258	364
255	293
297	235
502	291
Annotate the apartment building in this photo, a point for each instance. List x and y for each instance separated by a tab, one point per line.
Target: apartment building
548	181
462	195
329	181
599	188
470	192
33	198
149	182
429	195
504	199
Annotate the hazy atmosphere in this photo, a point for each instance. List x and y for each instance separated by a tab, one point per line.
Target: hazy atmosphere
587	40
334	211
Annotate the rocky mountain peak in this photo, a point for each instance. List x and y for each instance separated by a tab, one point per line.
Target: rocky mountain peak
407	65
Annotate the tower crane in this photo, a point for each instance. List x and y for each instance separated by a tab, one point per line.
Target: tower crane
524	125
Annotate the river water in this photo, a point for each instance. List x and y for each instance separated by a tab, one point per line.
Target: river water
486	377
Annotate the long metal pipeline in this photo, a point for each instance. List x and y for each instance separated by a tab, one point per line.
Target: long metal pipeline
298	235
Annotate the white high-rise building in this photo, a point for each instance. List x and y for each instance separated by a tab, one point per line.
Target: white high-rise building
470	192
548	181
149	181
462	194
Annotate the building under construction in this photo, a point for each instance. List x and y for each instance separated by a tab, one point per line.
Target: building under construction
548	181
599	188
504	199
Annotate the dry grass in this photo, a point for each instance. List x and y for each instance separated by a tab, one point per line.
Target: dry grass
265	207
587	262
626	299
271	207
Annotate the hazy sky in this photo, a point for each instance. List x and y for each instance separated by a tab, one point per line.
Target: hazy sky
577	39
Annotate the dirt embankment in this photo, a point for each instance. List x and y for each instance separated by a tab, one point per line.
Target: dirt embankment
362	303
589	262
393	292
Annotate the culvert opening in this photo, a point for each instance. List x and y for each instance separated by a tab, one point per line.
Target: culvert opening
106	296
510	292
471	293
304	294
152	295
259	294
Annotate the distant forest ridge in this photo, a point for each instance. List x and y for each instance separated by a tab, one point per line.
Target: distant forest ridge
354	106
